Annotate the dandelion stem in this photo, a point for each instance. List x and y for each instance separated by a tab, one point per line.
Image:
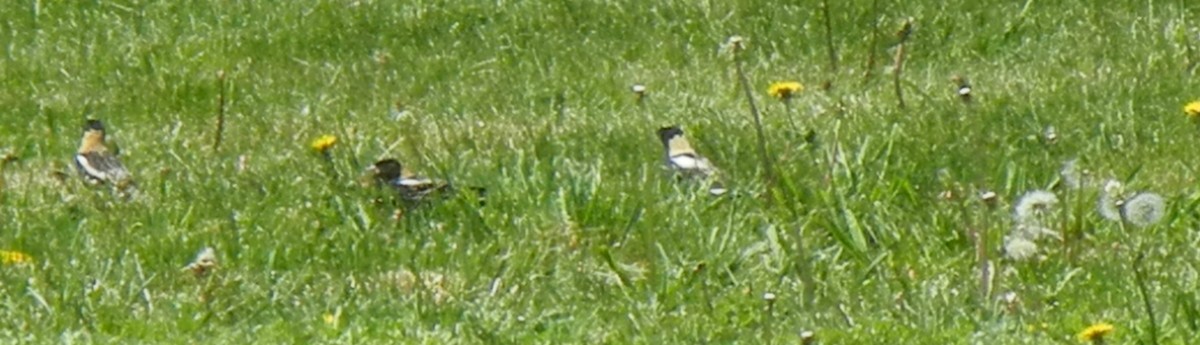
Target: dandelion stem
1139	276
804	268
833	63
560	106
895	73
768	322
981	254
220	110
791	114
329	166
768	167
898	66
873	43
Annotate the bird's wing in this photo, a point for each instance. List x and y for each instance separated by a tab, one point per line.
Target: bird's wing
692	165
416	187
101	166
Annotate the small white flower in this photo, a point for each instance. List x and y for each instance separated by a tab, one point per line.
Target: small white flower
1050	134
808	337
1113	187
1144	209
1109	206
638	88
988	196
1009	297
769	297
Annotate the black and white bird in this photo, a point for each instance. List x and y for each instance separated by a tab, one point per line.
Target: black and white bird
412	187
99	165
686	163
963	89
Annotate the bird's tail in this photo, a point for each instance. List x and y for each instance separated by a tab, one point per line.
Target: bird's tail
479	192
127	189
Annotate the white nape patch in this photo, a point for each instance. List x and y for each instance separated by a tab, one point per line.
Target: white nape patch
964	91
89	169
415	181
685	162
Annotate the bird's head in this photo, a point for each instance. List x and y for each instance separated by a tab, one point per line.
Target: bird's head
669	132
386	169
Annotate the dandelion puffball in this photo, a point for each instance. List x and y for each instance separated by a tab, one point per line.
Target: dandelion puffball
1143	209
1033	205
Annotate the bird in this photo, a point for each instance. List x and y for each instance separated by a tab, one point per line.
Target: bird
99	165
686	163
963	89
413	187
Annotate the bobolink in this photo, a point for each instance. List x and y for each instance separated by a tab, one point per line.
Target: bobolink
964	88
97	164
412	187
683	159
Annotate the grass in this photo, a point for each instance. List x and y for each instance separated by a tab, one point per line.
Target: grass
584	239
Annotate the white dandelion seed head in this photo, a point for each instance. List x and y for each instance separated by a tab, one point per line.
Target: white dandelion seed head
1109	207
1034	205
1018	248
1144	209
1009	297
734	44
1050	135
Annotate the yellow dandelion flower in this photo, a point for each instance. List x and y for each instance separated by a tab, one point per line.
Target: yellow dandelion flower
323	143
1096	332
785	89
330	319
9	257
1192	110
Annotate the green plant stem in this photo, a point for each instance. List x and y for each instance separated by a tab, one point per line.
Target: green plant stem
896	70
220	110
870	67
833	63
767	164
791	114
1140	278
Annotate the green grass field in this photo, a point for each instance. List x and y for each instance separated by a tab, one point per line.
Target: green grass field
873	233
